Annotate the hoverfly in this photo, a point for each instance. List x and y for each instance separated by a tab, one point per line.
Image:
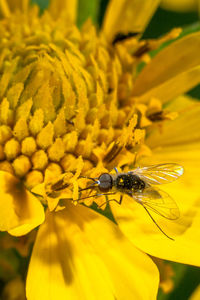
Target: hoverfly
139	185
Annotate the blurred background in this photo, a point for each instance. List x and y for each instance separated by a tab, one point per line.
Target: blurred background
178	281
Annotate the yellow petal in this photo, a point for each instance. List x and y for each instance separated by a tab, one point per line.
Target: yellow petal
140	229
173	87
167	67
196	294
185	129
180	5
127	16
4	9
57	7
177	141
20	211
80	254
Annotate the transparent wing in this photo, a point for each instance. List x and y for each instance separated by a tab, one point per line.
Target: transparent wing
159	174
159	202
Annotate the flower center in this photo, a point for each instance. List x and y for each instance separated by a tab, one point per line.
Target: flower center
64	93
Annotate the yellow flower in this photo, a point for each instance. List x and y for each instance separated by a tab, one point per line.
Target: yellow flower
59	117
72	105
173	141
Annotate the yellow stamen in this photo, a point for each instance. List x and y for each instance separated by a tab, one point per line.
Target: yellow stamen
67	94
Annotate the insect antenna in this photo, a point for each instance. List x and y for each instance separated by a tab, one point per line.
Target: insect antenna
91	186
93	179
157	224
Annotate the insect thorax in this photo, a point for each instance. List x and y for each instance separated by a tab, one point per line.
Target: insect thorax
129	182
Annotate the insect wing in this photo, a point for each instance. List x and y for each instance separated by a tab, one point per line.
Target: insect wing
159	202
159	174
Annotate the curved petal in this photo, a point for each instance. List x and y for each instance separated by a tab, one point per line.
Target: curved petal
180	5
167	66
140	229
57	7
81	254
128	16
177	141
20	211
173	87
181	132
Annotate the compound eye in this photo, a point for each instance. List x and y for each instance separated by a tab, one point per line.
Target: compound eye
105	182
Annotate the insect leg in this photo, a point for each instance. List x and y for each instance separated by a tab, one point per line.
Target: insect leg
116	170
156	223
95	196
91	186
135	159
93	179
118	202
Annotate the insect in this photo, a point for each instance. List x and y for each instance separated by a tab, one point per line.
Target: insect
140	184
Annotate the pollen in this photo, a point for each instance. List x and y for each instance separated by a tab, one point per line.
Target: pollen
28	146
56	151
12	149
39	160
66	104
5	133
21	129
21	165
34	178
45	136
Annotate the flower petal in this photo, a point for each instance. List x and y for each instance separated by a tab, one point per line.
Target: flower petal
167	66
57	7
4	9
140	229
20	211
81	254
128	16
177	141
173	87
180	5
182	131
